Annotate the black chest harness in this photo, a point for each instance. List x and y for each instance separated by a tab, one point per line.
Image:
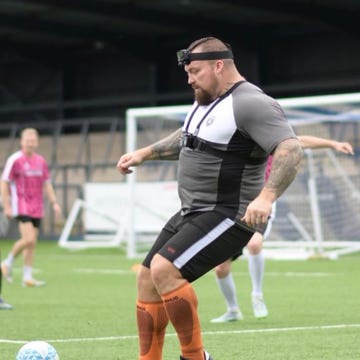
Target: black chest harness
193	142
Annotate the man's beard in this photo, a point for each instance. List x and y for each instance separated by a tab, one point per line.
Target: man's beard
202	97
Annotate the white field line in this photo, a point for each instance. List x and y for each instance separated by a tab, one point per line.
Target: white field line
292	273
235	273
268	273
205	333
103	271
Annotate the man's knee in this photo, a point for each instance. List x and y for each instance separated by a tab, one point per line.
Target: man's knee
254	246
144	280
223	269
163	271
29	242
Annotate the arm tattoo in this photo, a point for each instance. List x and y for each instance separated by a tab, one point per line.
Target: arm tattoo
286	163
167	148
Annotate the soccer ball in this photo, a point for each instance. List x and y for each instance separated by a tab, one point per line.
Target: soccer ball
37	350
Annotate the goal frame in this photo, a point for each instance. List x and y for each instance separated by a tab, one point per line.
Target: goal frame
310	247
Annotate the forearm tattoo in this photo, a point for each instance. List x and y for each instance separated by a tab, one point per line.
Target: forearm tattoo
285	165
167	148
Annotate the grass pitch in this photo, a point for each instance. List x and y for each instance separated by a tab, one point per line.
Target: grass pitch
86	310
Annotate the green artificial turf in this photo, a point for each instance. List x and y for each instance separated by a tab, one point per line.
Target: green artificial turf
86	310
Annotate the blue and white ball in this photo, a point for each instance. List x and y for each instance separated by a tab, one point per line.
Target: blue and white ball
37	350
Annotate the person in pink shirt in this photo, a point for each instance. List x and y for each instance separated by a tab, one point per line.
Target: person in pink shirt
256	261
24	180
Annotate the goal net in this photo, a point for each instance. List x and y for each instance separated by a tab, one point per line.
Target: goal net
319	214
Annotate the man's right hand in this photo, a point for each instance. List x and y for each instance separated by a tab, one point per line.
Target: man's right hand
132	159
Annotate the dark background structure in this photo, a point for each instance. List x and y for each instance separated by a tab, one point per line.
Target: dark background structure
80	58
71	68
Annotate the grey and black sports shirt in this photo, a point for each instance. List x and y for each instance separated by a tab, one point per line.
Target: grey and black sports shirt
225	168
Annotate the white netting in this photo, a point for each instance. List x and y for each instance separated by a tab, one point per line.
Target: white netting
335	180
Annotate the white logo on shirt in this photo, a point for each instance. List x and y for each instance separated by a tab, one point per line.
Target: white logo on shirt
210	120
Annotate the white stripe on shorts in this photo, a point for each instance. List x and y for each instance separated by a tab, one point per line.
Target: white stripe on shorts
203	242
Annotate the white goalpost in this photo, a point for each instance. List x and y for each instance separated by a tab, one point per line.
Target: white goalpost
319	215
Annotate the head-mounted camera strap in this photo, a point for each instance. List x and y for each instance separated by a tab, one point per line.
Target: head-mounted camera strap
185	57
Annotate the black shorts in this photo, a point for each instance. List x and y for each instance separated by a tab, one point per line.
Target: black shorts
197	242
25	218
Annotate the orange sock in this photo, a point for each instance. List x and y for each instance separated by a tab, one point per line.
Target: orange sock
181	306
151	321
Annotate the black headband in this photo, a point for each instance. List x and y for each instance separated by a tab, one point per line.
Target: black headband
185	56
